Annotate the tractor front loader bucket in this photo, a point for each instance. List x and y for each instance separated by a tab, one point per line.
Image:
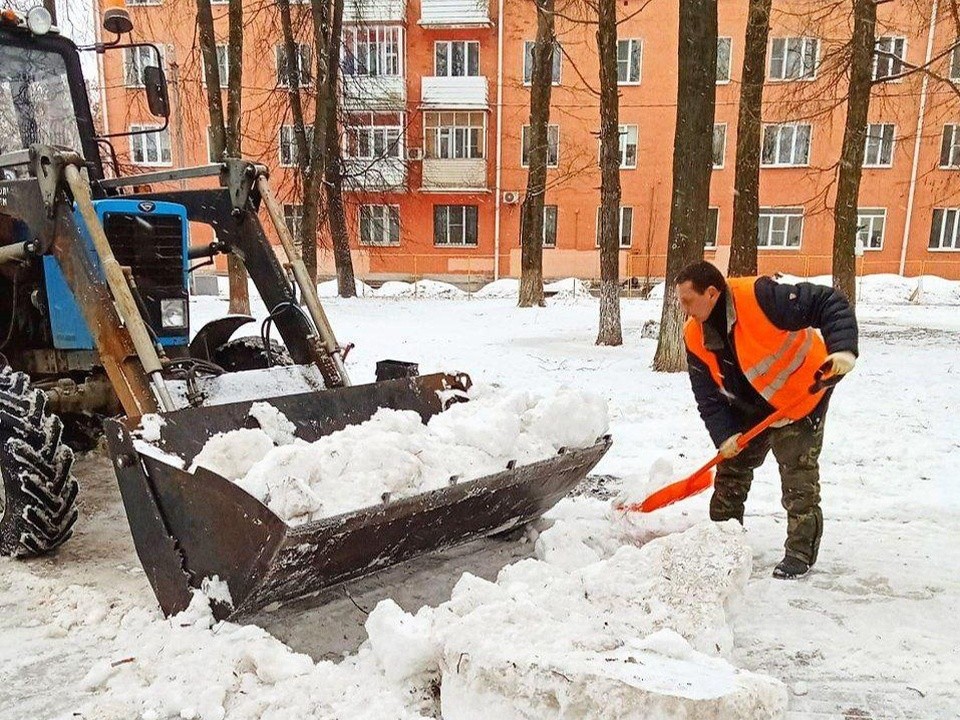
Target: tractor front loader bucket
191	526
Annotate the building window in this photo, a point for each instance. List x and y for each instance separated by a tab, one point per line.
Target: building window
794	58
780	228
304	60
724	51
455	225
945	229
457	58
955	62
625	231
628	146
371	136
379	224
454	135
288	144
150	148
870	223
373	51
293	219
553	146
629	54
888	57
549	226
135	59
786	145
223	66
528	62
719	144
713	227
950	147
879	145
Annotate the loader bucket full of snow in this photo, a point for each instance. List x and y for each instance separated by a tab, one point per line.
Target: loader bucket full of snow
192	527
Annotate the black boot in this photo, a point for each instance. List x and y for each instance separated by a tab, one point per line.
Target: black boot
790	568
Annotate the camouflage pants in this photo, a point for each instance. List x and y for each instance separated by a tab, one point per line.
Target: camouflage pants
797	449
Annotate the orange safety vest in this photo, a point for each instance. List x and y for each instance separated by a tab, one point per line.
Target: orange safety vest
780	364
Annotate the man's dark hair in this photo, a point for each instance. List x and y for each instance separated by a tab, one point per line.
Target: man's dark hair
701	275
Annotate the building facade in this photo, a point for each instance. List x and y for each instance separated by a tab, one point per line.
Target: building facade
436	100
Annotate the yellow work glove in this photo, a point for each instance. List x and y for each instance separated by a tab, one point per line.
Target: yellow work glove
840	363
729	447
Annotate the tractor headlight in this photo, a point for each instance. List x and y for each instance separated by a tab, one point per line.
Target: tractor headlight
39	21
173	313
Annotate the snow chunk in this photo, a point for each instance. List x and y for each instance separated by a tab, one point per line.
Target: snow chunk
274	423
232	454
150	425
401	642
216	590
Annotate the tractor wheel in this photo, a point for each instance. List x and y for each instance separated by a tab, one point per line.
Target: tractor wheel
39	495
249	353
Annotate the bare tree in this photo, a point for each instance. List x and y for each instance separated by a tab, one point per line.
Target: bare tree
853	148
746	196
531	224
692	165
610	332
225	136
336	215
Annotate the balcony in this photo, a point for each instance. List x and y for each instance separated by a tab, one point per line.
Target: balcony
453	93
454	174
375	173
374	92
454	13
374	11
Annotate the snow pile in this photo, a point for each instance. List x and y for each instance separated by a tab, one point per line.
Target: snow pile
420	289
503	288
570	290
395	453
330	289
640	632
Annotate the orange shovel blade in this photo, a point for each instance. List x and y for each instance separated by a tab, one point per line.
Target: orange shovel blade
680	490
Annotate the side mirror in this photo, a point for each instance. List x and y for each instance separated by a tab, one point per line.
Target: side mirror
155	83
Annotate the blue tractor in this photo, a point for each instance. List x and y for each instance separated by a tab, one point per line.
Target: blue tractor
95	334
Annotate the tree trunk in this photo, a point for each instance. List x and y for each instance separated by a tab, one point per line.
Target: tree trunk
746	183
346	284
211	70
610	332
239	289
852	150
531	225
692	166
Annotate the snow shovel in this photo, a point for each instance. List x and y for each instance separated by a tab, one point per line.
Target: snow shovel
702	478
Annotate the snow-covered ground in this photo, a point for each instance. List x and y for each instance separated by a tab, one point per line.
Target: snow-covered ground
656	617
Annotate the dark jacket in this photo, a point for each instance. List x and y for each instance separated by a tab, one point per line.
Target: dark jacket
738	406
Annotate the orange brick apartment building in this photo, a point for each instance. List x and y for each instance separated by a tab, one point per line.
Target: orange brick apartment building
435	102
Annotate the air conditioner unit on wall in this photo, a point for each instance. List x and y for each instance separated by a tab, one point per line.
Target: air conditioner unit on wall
511	197
414	154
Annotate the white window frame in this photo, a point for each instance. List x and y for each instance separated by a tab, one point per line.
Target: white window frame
136	59
715	212
387	52
304	63
781	130
553	148
389	137
950	147
293	219
448	47
724	79
894	40
632	44
769	214
139	142
722	128
464	211
879	137
291	144
625	131
623	213
547	210
788	45
223	66
527	67
949	218
867	219
389	218
453	136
